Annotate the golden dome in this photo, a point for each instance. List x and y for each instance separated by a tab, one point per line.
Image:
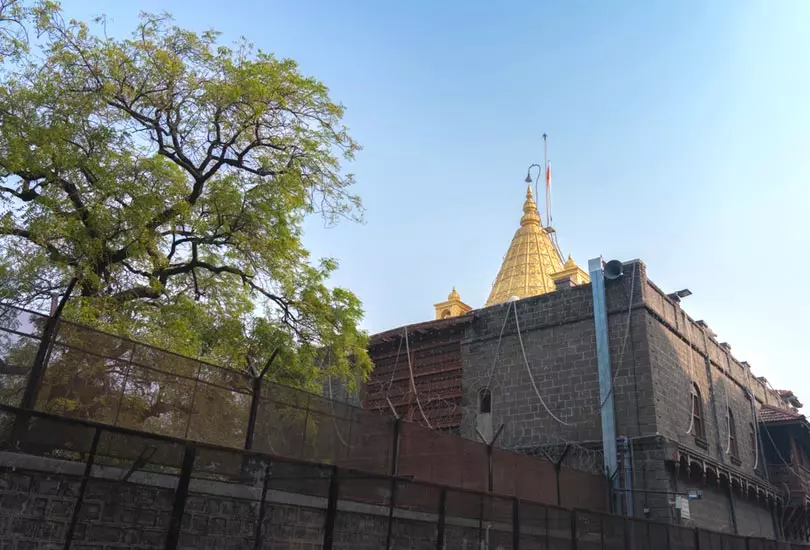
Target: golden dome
529	261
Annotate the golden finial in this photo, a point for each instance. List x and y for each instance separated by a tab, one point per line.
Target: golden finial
570	262
453	295
530	214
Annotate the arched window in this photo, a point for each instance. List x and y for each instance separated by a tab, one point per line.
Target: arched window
485	401
698	427
733	448
446	314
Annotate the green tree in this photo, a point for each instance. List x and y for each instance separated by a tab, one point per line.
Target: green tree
170	176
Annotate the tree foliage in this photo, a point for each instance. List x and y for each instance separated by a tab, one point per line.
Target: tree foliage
170	176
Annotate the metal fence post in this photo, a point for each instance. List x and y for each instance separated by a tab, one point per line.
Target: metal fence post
262	508
442	513
627	533
395	446
331	511
697	538
29	398
180	497
573	530
256	400
515	524
392	504
88	468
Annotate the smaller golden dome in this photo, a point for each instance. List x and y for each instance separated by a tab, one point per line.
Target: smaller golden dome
570	262
453	295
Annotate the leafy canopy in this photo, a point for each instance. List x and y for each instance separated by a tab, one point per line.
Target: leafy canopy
170	175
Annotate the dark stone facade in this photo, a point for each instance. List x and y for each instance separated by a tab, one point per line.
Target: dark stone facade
656	353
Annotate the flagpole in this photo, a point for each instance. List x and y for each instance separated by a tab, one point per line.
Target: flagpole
548	190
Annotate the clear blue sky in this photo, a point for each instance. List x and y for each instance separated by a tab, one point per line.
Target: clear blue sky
679	133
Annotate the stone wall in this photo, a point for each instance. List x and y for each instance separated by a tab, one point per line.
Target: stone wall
558	336
36	508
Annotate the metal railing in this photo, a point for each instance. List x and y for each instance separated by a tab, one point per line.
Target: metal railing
91	375
71	483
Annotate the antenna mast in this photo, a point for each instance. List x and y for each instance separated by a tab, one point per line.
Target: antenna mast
548	181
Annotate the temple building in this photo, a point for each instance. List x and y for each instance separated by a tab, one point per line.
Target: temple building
687	433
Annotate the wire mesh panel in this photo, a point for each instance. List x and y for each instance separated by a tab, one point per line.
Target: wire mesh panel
130	492
42	463
614	532
363	510
223	503
295	506
345	435
220	407
682	538
284	425
442	458
370	444
414	525
20	333
497	523
464	522
534	526
590	530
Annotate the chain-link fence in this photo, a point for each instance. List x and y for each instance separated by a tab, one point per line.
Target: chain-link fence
66	483
91	375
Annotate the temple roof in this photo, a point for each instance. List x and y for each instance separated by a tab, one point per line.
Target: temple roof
770	415
529	262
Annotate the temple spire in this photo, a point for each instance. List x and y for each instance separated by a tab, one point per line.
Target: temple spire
530	261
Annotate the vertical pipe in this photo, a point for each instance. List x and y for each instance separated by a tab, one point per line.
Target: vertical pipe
547	527
515	524
628	476
88	468
442	512
607	411
262	508
180	497
331	511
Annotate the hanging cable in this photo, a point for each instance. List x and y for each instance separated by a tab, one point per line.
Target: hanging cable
334	420
413	381
531	376
753	416
691	377
728	419
498	345
624	341
394	370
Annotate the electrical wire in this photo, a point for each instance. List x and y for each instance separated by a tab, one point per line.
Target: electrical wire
334	420
691	377
394	369
413	381
531	376
498	345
